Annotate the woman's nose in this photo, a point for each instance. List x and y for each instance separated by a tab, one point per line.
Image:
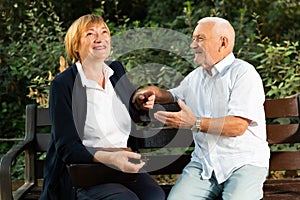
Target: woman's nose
97	38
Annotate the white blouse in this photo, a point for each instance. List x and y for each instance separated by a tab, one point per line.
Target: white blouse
108	122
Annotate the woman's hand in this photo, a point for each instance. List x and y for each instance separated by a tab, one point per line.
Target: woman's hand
121	160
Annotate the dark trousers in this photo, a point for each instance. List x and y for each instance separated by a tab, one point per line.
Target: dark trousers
144	188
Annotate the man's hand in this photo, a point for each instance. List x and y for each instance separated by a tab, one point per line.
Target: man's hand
182	119
144	99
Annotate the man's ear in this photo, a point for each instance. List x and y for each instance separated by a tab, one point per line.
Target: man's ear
223	42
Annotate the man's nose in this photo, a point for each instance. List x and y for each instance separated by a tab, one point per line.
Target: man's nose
194	44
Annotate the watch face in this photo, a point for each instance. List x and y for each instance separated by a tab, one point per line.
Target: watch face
195	128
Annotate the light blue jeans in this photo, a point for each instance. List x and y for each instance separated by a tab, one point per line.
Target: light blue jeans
245	183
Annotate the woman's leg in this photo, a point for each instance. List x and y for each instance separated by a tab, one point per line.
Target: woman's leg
109	191
146	188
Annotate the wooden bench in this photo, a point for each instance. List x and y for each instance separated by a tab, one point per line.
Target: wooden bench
163	147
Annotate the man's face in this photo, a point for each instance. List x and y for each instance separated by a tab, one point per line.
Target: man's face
204	45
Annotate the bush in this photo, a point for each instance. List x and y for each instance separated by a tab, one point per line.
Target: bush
30	50
279	68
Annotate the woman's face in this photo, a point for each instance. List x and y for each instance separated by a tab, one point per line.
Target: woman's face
94	43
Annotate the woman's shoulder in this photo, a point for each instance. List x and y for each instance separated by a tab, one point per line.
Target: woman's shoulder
67	74
116	66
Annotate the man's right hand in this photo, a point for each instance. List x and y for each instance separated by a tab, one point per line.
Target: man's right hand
143	99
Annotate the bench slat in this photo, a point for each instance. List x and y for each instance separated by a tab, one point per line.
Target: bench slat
42	142
43	118
287	189
85	175
172	164
285	160
283	133
158	138
285	107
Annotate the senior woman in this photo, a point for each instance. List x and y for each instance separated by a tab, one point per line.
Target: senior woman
90	109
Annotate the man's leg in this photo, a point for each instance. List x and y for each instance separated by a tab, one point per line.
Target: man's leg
245	183
191	186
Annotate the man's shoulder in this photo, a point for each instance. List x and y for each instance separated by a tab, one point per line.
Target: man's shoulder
241	66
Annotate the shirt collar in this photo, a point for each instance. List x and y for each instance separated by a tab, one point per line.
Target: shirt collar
107	71
220	66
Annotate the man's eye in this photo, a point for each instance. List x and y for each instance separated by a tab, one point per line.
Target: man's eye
198	39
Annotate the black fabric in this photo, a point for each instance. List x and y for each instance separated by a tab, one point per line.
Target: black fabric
144	188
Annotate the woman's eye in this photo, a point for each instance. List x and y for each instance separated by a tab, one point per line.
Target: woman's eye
89	34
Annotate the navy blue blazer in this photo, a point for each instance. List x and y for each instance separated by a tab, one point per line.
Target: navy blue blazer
68	105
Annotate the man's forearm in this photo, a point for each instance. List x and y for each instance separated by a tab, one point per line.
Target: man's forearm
161	96
225	126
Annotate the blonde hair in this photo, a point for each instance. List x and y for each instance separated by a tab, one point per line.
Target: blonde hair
74	32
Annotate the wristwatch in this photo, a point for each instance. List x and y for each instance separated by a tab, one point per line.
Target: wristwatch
196	126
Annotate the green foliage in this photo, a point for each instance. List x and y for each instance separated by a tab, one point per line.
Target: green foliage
279	68
30	49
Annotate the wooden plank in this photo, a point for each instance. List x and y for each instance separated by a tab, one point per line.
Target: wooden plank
285	160
39	169
166	164
285	107
285	189
170	137
283	133
42	142
43	117
85	175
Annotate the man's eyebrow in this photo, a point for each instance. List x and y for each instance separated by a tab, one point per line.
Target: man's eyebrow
198	36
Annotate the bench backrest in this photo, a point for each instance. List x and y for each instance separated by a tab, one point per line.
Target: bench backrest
155	142
37	127
282	136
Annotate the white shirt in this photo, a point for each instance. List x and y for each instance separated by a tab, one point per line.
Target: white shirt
234	89
108	122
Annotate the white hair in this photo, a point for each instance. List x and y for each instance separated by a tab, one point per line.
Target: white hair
221	26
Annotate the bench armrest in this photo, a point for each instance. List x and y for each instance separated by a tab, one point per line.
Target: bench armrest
5	170
86	175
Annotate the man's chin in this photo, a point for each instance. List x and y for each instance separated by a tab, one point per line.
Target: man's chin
196	61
